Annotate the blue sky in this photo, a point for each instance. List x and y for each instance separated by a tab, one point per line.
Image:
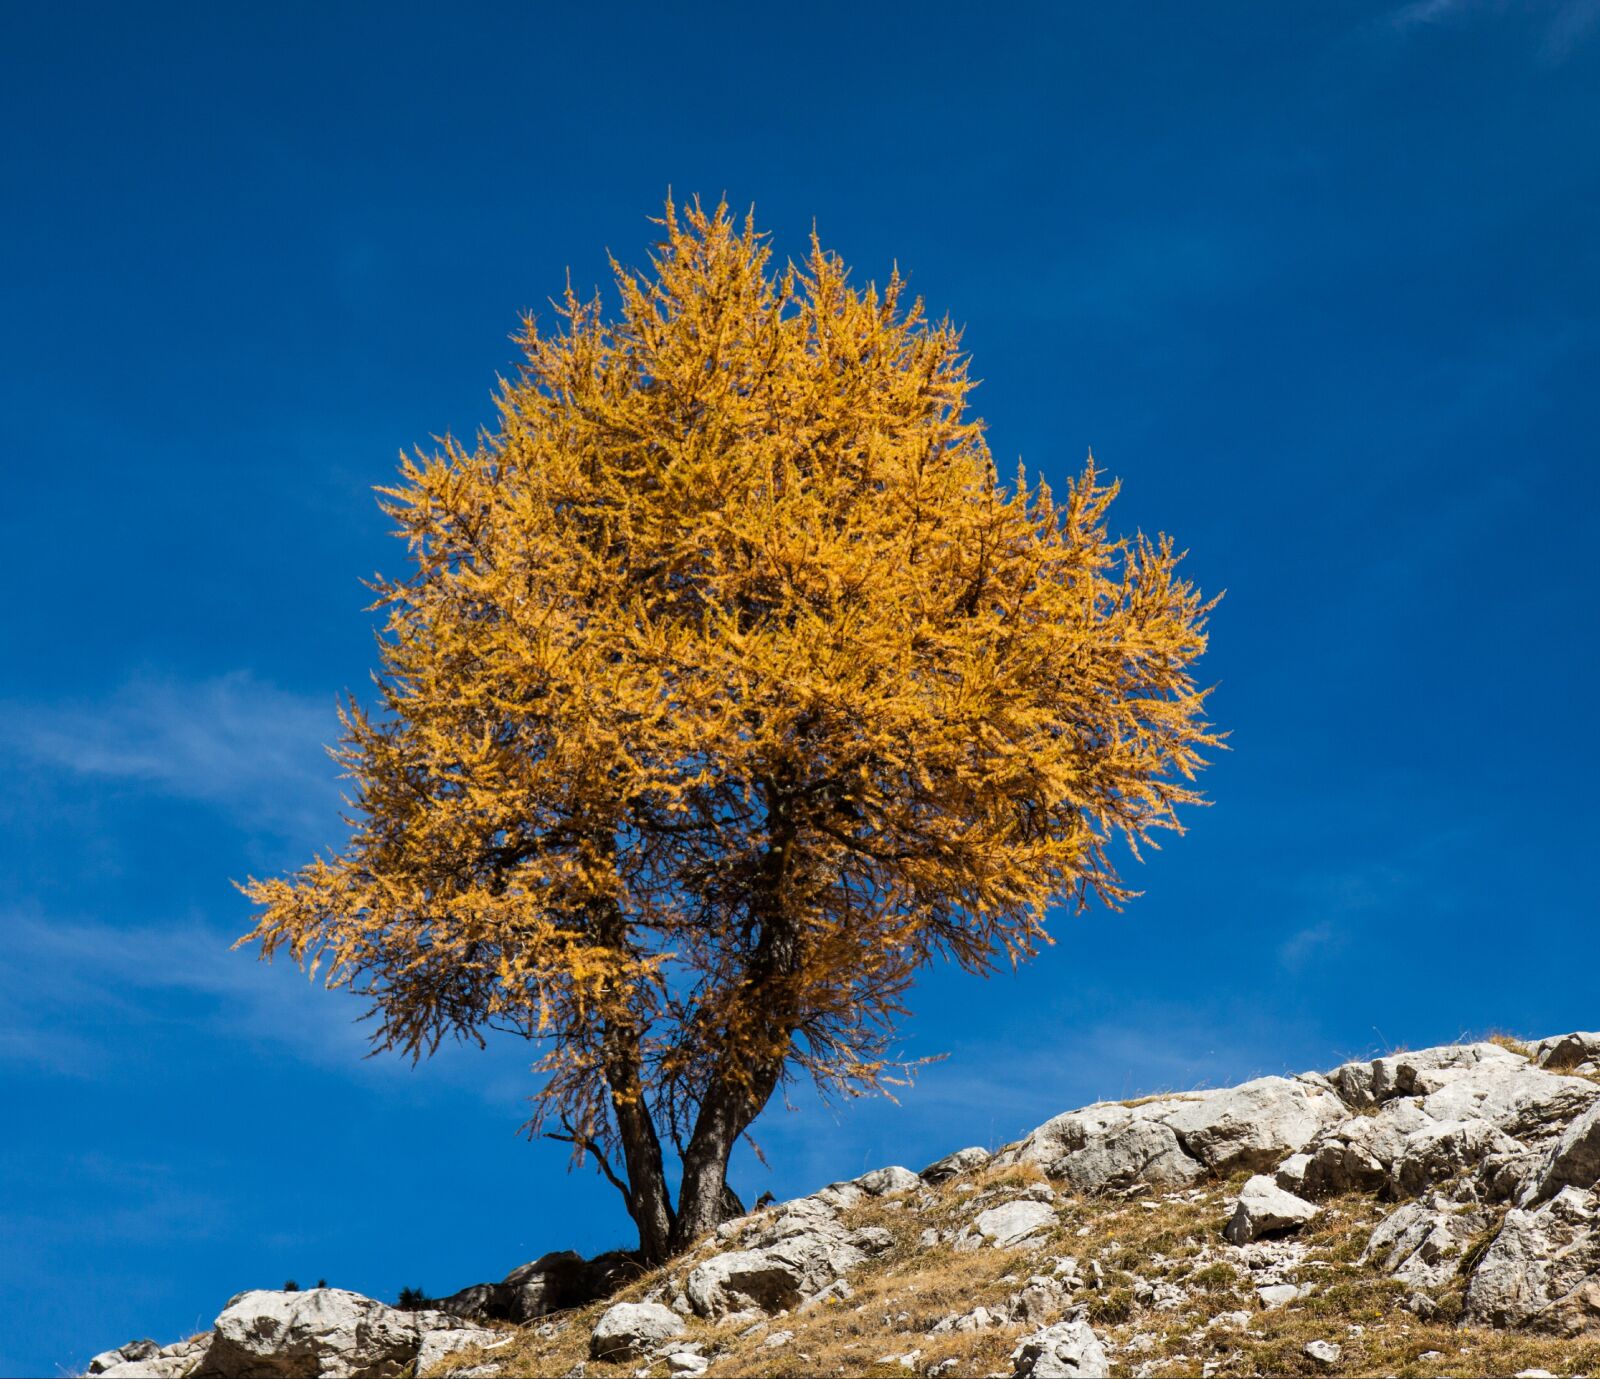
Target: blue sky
1319	283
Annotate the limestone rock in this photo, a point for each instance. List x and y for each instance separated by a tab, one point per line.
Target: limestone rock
1567	1050
742	1279
437	1346
1359	1153
1108	1146
1323	1352
1066	1350
1519	1099
320	1333
1290	1175
631	1329
154	1367
954	1165
1374	1081
551	1283
1421	1242
882	1182
1254	1125
1573	1160
1265	1209
130	1351
1010	1223
1446	1149
1543	1269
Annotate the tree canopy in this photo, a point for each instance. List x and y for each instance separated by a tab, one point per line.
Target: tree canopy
727	686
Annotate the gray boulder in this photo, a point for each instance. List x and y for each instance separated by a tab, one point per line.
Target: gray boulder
153	1367
320	1333
883	1182
1567	1050
1421	1242
1517	1098
741	1279
1359	1153
1543	1269
954	1165
438	1346
1447	1149
551	1283
1573	1160
1370	1082
1106	1147
1067	1350
1254	1125
123	1354
631	1329
1266	1209
1011	1223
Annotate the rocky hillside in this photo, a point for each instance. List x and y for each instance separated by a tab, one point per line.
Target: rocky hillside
1423	1213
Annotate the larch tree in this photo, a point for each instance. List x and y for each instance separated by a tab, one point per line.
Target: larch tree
727	687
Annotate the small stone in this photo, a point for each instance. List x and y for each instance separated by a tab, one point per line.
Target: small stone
630	1329
1277	1294
1323	1352
1265	1208
687	1362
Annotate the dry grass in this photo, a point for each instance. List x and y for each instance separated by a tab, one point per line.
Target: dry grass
1139	1246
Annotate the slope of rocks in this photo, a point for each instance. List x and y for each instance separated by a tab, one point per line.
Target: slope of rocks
1427	1212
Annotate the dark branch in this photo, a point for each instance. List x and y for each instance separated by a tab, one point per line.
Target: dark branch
588	1146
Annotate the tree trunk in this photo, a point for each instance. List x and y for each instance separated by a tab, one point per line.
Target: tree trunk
648	1202
744	1079
646	1188
725	1114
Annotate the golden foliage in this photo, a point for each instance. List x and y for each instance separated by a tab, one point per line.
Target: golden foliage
728	687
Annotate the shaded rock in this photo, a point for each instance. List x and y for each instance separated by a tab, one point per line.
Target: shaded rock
1359	1152
1066	1350
631	1329
1108	1146
1038	1302
1560	1051
122	1354
1541	1270
1266	1209
1255	1124
1421	1243
1446	1149
1373	1081
552	1283
742	1279
1290	1175
1572	1161
954	1165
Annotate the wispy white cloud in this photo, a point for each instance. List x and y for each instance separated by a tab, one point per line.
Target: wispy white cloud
232	740
77	989
1562	24
1421	12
